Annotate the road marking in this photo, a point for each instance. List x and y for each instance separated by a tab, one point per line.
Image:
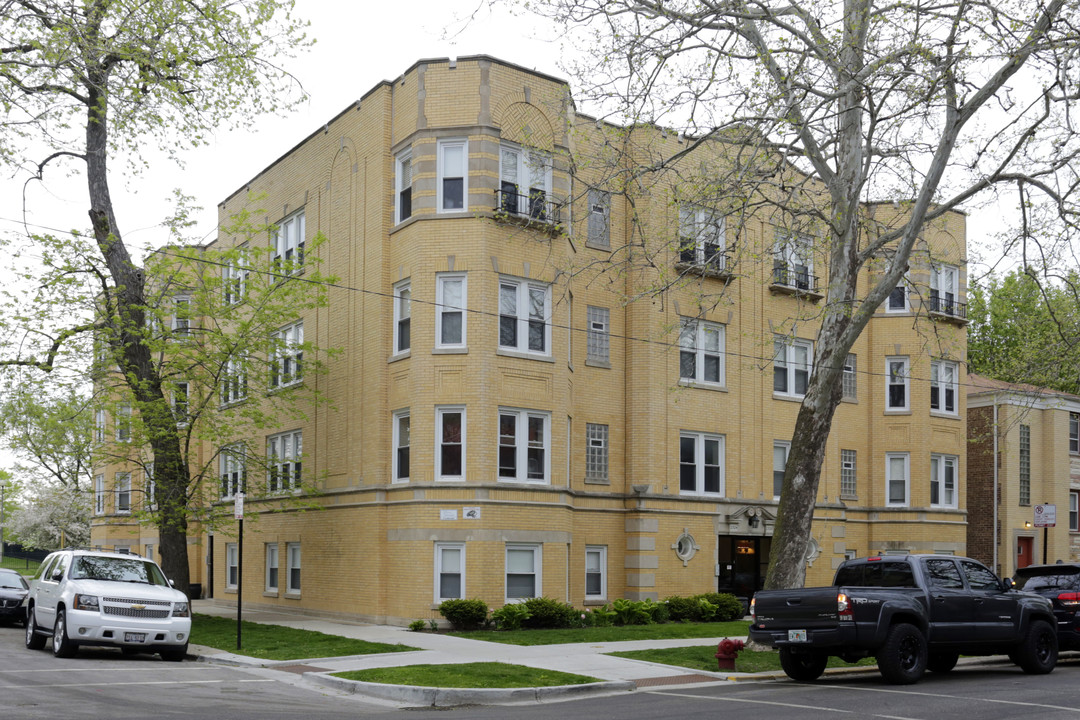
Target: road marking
753	702
151	682
96	668
1023	703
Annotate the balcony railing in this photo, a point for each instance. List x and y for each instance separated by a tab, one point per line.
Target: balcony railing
798	278
533	207
708	257
947	306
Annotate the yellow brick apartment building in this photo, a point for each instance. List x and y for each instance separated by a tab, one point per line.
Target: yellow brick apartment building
552	381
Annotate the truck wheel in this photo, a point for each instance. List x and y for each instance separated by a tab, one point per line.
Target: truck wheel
802	666
942	662
1037	652
33	640
902	659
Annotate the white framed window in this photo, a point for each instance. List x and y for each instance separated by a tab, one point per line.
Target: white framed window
791	366
702	235
944	289
449	571
598	334
287	356
99	494
403	186
524	579
1025	465
450	452
596	453
850	380
99	426
1074	511
944	386
180	405
898	479
181	321
232	566
123	423
701	352
701	464
234	273
943	480
401	446
570	329
149	487
122	483
524	182
525	316
402	317
231	471
599	229
524	445
898	298
453	175
1074	433
284	456
292	568
848	479
780	453
595	572
896	383
233	380
271	567
288	242
793	263
451	299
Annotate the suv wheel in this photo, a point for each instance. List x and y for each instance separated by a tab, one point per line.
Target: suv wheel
62	647
1037	652
902	659
34	641
176	654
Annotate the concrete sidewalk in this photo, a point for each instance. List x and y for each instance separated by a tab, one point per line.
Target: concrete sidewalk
619	674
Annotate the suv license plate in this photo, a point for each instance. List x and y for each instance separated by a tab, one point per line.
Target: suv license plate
141	637
796	635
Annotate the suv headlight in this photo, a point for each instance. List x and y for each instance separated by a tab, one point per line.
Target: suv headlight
180	609
86	602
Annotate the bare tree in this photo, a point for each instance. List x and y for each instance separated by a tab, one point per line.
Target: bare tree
824	107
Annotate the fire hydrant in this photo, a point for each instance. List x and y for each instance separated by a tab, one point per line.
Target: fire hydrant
727	651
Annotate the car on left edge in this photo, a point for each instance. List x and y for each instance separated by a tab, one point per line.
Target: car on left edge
13	592
89	597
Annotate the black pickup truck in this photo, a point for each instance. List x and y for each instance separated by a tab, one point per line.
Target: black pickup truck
913	613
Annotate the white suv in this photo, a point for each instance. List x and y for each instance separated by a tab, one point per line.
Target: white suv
82	597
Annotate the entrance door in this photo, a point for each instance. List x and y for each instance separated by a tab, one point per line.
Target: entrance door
1025	552
743	564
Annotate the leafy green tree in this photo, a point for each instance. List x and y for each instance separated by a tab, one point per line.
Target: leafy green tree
824	106
1024	330
83	82
51	436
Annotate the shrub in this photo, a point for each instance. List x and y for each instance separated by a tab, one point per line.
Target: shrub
658	611
706	611
631	612
681	609
728	607
510	617
547	613
417	625
464	614
601	616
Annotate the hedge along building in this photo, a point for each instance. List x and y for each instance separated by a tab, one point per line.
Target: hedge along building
554	381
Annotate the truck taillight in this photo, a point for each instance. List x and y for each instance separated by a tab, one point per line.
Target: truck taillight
843	607
753	615
1070	599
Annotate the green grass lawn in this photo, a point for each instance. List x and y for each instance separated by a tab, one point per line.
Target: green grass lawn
735	628
26	567
703	657
467	675
276	642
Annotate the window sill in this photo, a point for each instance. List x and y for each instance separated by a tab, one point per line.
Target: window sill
898	411
597	481
524	355
694	493
292	596
788	398
450	480
944	415
284	386
459	350
517	481
851	401
849	498
270	593
230	591
716	387
399	356
598	363
597	601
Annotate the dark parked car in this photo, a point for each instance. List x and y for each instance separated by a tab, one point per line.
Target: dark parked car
13	591
1060	583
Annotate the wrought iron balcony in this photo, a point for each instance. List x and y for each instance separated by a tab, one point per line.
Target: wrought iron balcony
535	207
796	278
947	306
708	258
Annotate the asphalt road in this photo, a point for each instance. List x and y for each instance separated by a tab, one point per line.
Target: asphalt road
102	683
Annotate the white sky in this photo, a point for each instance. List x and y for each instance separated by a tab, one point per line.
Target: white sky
358	44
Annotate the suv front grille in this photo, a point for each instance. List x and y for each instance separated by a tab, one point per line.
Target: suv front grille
123	607
133	613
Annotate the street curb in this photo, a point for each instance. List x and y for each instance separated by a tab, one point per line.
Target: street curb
417	696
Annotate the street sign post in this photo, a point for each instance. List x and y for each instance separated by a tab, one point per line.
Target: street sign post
238	513
1046	518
